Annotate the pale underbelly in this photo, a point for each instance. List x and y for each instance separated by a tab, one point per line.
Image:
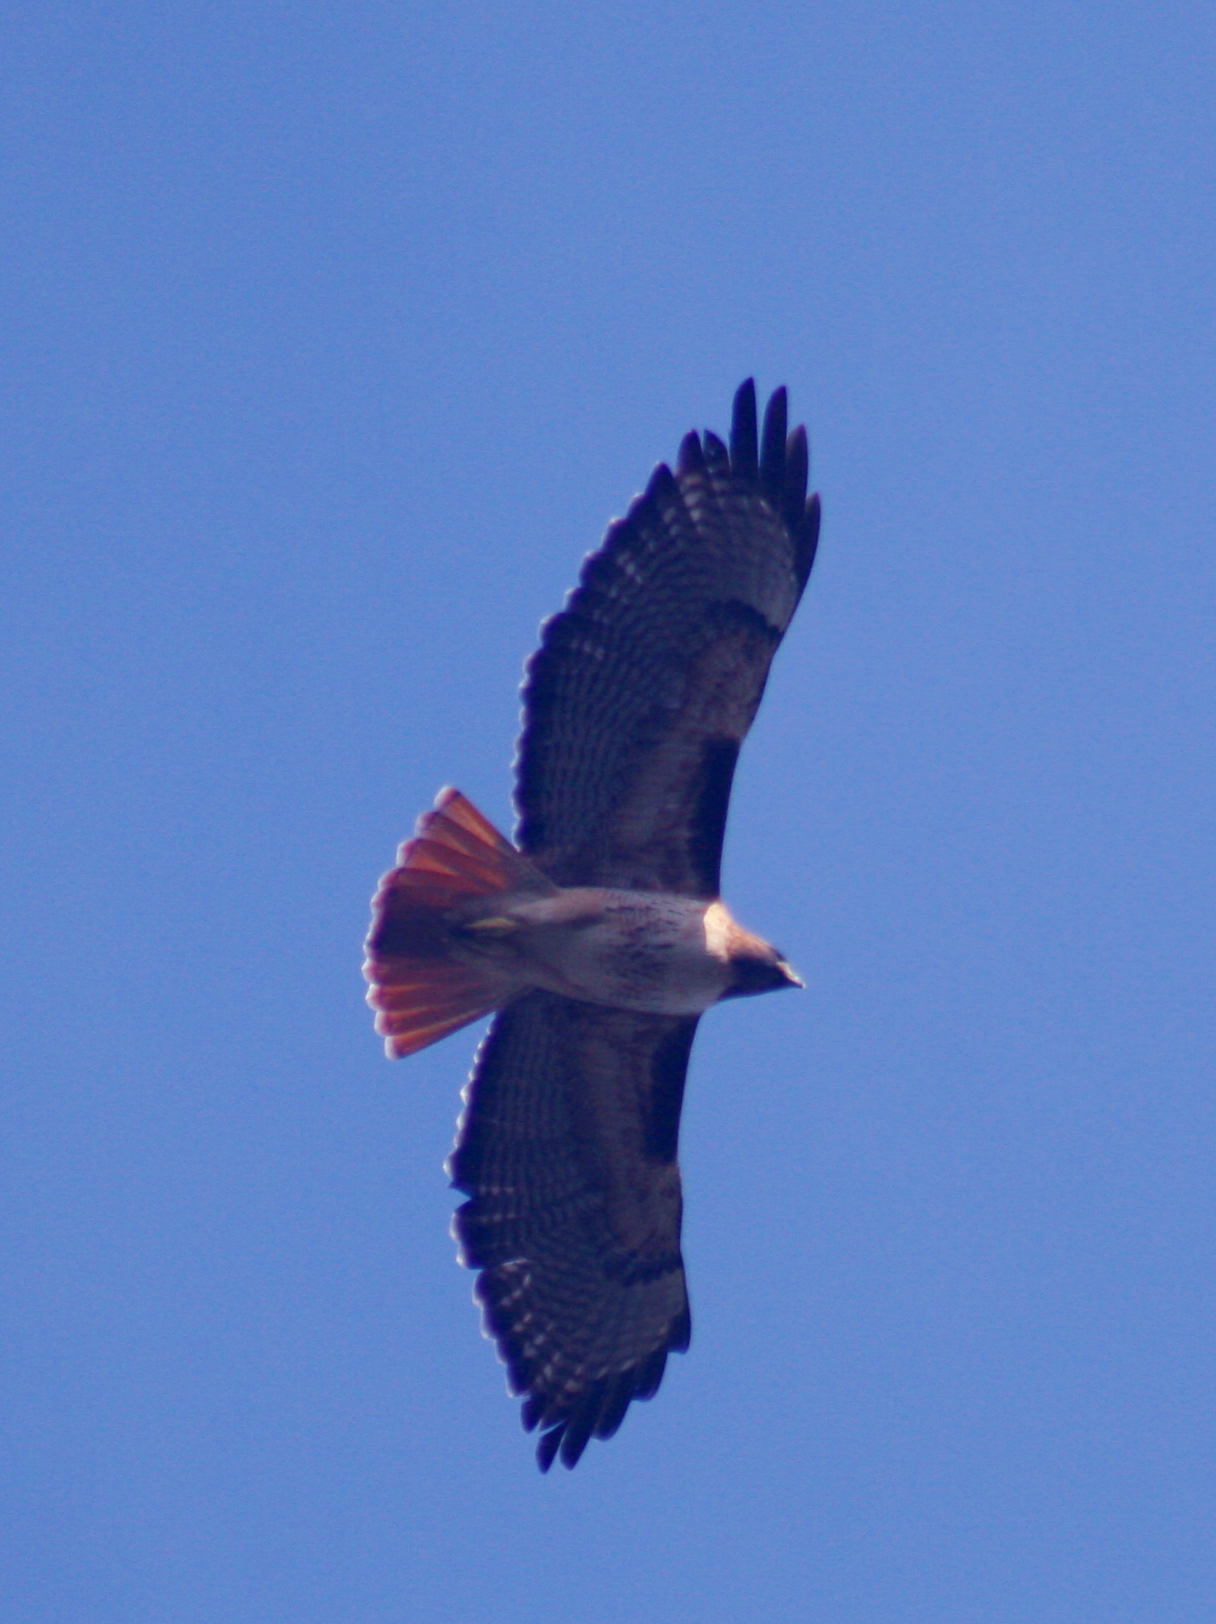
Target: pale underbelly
640	952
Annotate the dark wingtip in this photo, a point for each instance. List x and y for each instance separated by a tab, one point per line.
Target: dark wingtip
533	1411
691	458
743	430
716	454
618	1400
662	485
650	1374
806	539
547	1446
578	1430
797	467
772	452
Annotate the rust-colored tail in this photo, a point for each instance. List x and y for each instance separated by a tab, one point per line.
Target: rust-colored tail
420	988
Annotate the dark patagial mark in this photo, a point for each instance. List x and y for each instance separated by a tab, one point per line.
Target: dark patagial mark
668	1068
711	802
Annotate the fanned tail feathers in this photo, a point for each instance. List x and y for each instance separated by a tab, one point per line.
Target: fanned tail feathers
420	988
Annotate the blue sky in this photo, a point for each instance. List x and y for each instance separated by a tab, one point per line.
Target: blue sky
333	337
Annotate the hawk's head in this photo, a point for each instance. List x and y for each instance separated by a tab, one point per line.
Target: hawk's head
753	965
762	971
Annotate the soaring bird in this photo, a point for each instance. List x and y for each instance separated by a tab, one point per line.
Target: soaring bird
599	937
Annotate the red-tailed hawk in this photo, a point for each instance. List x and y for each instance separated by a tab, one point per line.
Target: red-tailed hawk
600	938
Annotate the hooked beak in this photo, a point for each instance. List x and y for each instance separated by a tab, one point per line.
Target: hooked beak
792	978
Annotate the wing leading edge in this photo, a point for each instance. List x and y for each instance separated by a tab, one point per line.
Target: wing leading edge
644	686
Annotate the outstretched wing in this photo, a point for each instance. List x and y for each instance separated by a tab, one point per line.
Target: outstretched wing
567	1148
645	685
